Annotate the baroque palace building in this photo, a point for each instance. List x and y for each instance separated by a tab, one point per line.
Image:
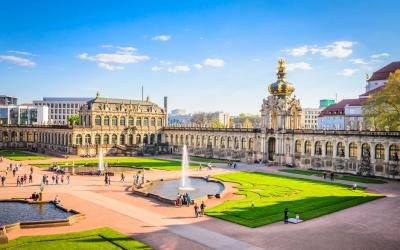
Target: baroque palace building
129	127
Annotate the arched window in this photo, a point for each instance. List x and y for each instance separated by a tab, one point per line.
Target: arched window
394	152
114	139
329	148
379	152
297	147
318	148
138	121
97	139
138	139
88	139
153	121
106	139
122	121
130	139
236	143
353	150
229	142
251	144
130	121
243	143
146	139
146	121
78	140
114	121
307	147
159	122
122	139
365	150
98	120
340	149
222	142
106	120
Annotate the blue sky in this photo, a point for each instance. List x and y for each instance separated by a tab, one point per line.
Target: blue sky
203	55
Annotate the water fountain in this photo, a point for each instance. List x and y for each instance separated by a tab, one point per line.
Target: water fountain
185	182
101	161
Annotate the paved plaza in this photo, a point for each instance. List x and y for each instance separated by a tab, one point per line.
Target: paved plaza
369	226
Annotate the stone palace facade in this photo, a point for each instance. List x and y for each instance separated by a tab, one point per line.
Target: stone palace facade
129	127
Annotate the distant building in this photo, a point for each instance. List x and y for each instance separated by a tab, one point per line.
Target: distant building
25	114
179	117
310	117
223	117
8	100
380	77
323	103
61	108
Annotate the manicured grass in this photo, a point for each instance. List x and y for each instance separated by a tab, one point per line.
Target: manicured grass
17	155
126	162
102	238
337	176
202	159
273	193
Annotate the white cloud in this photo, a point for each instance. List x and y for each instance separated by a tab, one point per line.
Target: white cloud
338	49
109	66
17	60
347	72
198	66
358	61
20	52
375	56
162	38
299	65
123	55
214	62
179	69
106	46
299	51
156	68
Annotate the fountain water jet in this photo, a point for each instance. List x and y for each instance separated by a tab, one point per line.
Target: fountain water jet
185	182
101	161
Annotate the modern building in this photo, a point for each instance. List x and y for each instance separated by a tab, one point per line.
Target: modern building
8	100
61	108
323	103
179	117
309	118
24	114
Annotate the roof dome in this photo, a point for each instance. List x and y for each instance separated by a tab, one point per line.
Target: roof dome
281	87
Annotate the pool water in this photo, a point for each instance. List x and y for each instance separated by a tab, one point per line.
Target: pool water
170	188
13	212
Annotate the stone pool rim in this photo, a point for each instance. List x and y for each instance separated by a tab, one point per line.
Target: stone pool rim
78	216
142	191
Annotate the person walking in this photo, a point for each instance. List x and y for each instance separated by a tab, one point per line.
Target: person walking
30	178
67	179
202	208
62	179
122	177
196	210
332	176
286	215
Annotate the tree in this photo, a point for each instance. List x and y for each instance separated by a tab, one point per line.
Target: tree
216	123
383	107
73	119
247	123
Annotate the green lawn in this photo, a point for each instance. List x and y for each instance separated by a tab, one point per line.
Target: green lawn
337	176
273	193
102	238
17	155
202	159
127	162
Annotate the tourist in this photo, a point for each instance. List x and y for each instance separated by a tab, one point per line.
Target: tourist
209	166
67	179
332	176
252	204
196	210
30	178
62	179
31	170
57	178
235	165
53	178
200	166
44	179
202	208
18	181
286	215
25	178
3	180
47	180
354	187
57	200
177	200
109	180
122	177
14	171
188	199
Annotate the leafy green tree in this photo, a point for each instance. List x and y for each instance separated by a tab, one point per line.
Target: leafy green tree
73	119
216	123
383	107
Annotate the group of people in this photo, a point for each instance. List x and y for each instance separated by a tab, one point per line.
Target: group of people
21	180
56	179
209	166
35	196
183	199
331	176
136	179
107	179
202	208
232	164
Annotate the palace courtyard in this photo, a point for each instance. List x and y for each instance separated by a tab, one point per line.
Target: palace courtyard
336	217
